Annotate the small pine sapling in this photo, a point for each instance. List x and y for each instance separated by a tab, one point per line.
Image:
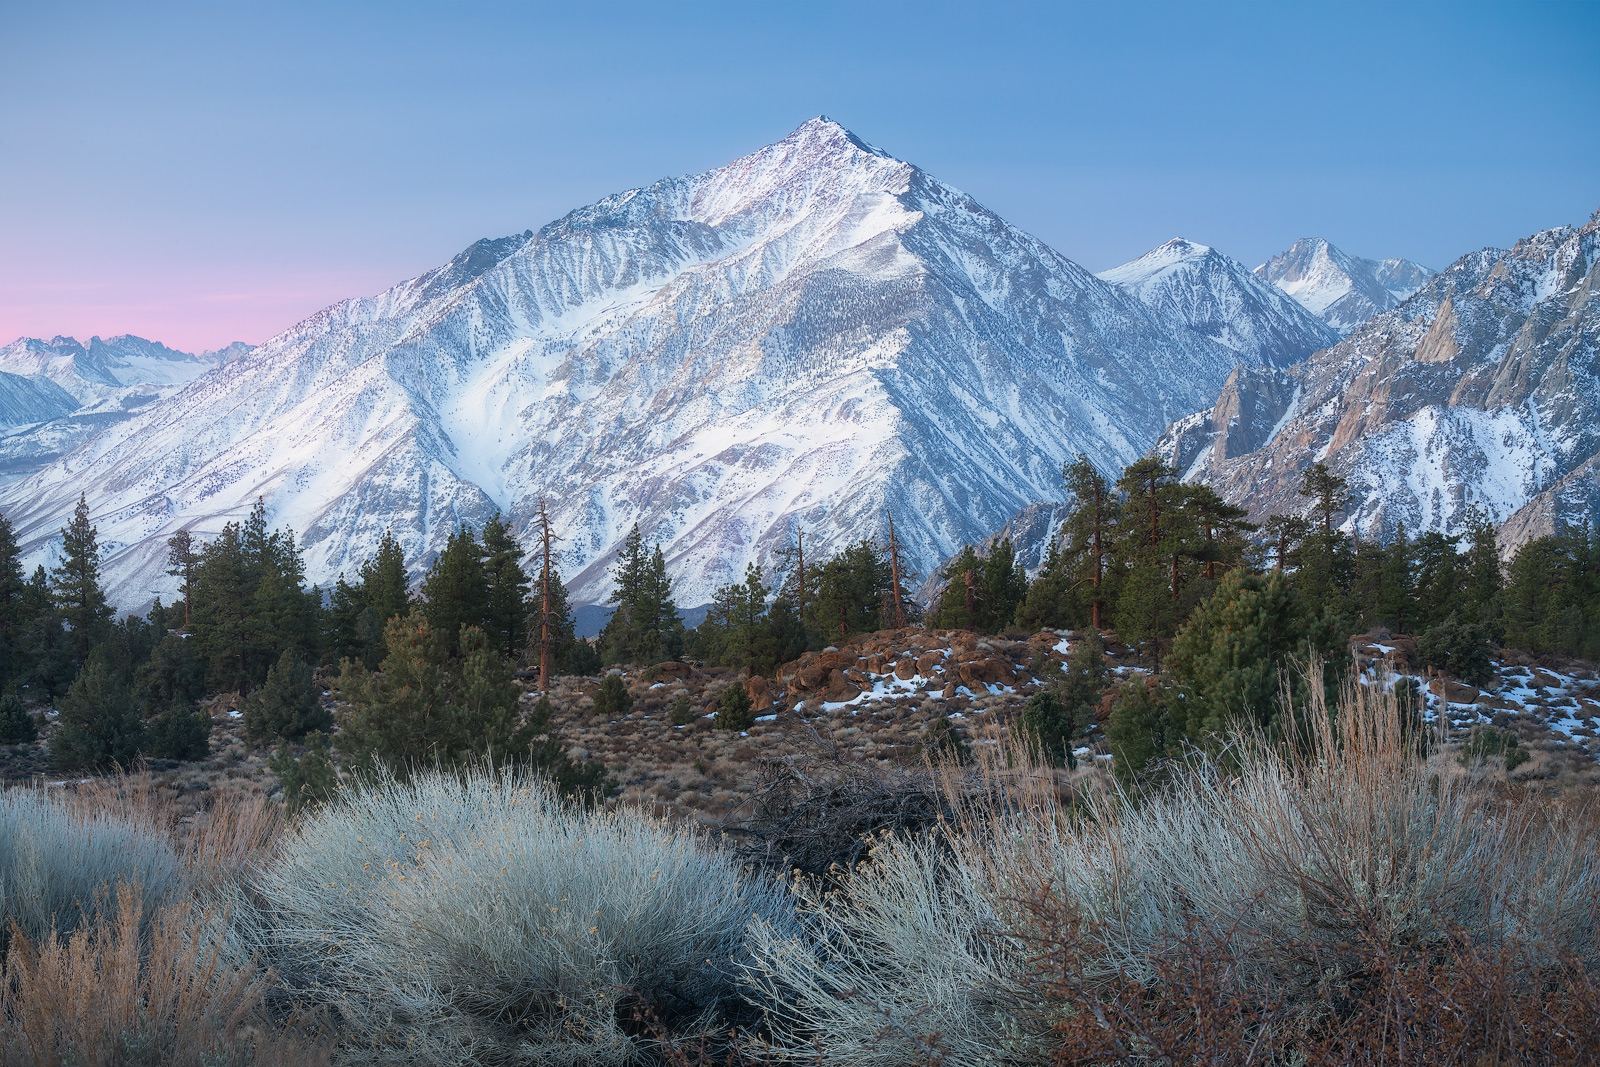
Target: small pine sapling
1050	725
612	701
17	727
735	711
942	737
309	780
682	712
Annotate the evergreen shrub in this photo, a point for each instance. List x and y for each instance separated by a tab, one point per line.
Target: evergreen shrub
734	712
612	701
99	725
178	732
287	705
16	725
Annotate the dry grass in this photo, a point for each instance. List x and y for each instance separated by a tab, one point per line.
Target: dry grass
1333	899
124	992
1276	880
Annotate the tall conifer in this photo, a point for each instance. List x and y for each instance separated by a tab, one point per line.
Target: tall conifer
75	582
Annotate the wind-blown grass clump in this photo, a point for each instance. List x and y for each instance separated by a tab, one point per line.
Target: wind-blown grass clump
1271	886
134	990
479	919
57	859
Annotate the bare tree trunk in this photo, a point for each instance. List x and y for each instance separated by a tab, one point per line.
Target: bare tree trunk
894	570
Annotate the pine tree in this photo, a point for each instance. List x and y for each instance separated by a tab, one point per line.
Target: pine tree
850	592
308	780
1327	559
734	632
506	609
46	663
1285	534
569	654
1078	583
961	603
13	618
611	700
286	707
99	725
384	585
222	618
1091	532
350	627
1050	726
455	592
1234	652
1328	491
182	555
17	727
734	711
172	674
1155	537
1074	693
427	707
1440	580
1483	581
645	627
75	583
1140	730
178	732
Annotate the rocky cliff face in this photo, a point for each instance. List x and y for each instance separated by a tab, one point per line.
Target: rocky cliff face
1480	391
806	337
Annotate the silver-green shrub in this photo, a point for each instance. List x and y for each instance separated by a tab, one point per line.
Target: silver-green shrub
60	865
1318	849
476	918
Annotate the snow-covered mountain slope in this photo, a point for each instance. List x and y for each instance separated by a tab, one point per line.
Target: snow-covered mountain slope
30	400
1482	389
1342	290
1200	289
105	370
802	338
75	391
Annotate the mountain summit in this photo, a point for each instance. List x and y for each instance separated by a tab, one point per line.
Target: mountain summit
1341	289
1479	394
805	338
1198	288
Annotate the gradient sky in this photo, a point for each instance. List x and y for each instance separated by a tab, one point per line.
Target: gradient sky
209	172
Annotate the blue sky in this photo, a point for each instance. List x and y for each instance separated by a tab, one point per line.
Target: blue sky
205	172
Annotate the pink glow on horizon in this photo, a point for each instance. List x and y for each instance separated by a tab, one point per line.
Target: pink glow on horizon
186	313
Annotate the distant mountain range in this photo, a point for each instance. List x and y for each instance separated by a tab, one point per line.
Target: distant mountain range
1342	290
1221	300
56	394
1482	390
807	338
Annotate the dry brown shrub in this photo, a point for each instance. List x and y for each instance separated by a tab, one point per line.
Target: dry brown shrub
1462	1003
105	996
216	840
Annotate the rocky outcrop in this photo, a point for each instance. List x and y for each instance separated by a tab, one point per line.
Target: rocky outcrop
1482	391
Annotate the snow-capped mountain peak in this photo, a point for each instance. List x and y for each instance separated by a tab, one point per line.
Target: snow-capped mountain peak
1341	289
1197	288
803	338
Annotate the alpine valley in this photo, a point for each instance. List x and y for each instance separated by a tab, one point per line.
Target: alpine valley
810	338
